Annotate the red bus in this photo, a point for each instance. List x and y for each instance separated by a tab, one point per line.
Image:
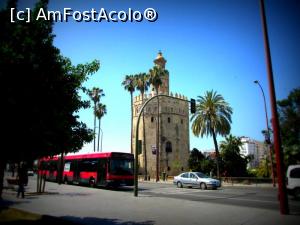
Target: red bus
94	169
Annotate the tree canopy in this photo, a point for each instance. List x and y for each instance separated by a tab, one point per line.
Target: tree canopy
289	119
234	164
198	162
40	90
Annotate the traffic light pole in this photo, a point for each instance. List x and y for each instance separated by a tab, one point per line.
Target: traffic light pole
137	138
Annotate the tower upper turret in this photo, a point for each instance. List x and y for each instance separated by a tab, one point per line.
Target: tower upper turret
160	60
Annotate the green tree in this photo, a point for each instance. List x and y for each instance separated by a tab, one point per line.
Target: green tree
195	159
129	85
100	112
233	162
212	117
142	85
263	168
289	119
155	78
95	95
39	91
198	162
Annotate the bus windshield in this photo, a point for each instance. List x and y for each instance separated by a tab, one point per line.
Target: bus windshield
121	166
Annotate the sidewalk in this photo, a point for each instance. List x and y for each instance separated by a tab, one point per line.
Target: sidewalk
99	206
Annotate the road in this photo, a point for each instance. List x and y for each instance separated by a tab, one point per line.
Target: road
249	196
157	203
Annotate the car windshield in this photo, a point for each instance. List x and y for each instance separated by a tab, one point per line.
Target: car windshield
121	166
201	175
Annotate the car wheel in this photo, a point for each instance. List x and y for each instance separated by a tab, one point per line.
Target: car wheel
179	184
203	186
297	193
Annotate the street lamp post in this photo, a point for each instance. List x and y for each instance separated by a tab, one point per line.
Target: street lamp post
284	207
268	140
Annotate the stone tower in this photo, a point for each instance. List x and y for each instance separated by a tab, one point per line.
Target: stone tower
174	129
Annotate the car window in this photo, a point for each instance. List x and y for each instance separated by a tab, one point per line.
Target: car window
184	175
192	175
201	175
295	173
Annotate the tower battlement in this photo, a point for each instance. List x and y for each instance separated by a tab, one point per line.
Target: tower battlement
138	98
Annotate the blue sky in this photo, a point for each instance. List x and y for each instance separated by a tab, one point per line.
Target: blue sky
207	44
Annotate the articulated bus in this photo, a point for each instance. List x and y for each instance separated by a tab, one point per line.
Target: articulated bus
95	169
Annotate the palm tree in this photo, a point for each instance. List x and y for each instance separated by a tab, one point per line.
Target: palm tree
100	112
232	144
155	78
129	85
142	85
212	117
95	95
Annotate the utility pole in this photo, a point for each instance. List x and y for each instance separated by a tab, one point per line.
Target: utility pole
284	207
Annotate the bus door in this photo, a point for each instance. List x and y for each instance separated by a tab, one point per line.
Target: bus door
76	171
101	175
52	166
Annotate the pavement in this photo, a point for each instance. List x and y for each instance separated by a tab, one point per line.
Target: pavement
89	206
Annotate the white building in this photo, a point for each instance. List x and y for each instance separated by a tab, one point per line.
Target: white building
255	148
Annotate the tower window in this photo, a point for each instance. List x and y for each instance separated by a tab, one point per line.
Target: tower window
181	121
152	119
169	120
168	146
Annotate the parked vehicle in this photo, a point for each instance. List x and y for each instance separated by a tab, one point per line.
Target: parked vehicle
293	180
196	179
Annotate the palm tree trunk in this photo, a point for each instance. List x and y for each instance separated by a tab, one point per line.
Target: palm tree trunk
99	129
131	149
144	139
94	127
157	140
217	153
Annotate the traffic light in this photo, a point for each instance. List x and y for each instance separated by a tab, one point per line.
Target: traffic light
193	105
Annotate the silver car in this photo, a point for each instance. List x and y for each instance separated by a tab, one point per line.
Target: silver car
196	179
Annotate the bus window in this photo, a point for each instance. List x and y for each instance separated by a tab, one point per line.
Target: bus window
67	166
121	166
72	166
88	165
